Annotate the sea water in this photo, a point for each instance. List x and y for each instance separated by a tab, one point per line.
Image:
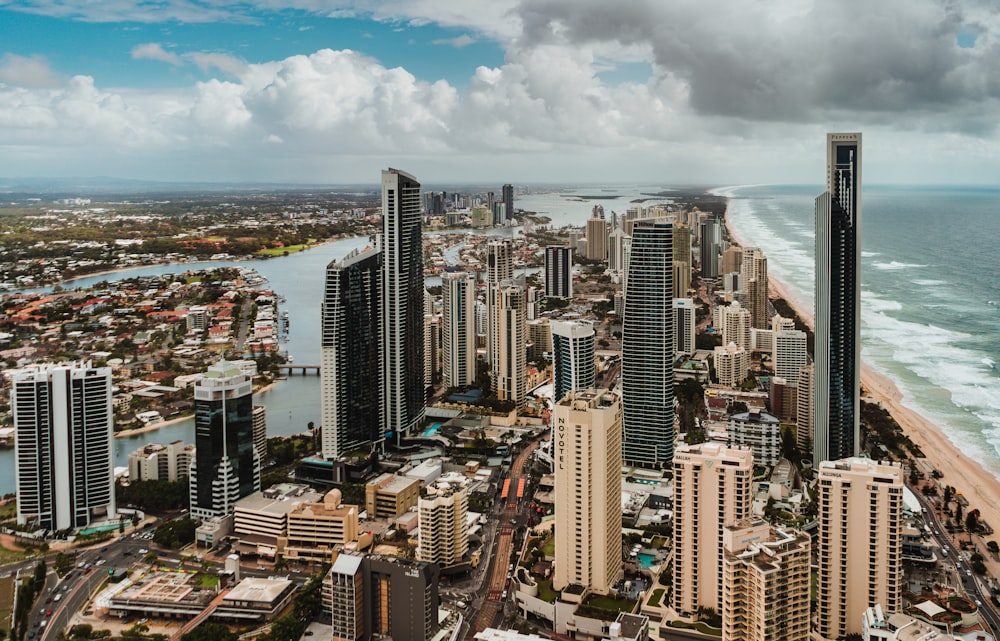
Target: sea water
930	292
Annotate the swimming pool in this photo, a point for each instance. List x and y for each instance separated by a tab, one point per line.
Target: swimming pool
646	560
432	430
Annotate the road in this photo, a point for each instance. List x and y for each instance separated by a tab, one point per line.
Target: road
969	582
509	516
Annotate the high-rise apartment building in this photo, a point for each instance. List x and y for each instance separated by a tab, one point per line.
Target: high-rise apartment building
753	277
587	433
860	542
597	236
684	325
259	418
804	414
735	322
226	466
499	260
444	529
558	272
351	354
618	242
732	363
711	242
458	293
837	376
63	451
432	348
403	386
789	354
765	583
647	348
508	200
732	260
682	260
572	356
712	489
508	353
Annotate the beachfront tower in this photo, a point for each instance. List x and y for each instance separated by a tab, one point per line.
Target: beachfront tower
226	466
588	431
63	452
836	379
648	348
572	356
351	352
403	385
458	340
860	509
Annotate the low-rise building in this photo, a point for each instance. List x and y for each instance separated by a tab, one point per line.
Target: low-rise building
390	496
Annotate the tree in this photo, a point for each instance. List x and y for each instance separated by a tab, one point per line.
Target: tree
993	547
210	632
972	522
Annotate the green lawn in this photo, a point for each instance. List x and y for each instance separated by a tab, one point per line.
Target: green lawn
207	580
550	547
654	600
281	251
8	510
611	604
545	591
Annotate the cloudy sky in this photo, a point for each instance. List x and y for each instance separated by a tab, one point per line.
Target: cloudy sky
331	91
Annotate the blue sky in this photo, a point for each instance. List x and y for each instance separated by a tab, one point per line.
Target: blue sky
497	90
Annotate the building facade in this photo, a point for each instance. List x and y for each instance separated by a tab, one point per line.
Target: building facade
789	354
157	462
63	446
860	542
759	432
647	348
765	583
753	278
597	236
558	271
710	246
684	325
587	433
837	374
712	489
444	530
572	356
732	363
509	367
458	294
351	353
226	466
403	386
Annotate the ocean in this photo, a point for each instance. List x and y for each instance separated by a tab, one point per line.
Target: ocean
930	286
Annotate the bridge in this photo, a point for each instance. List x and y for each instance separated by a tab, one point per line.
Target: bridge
305	370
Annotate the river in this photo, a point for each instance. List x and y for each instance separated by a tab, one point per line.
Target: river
292	403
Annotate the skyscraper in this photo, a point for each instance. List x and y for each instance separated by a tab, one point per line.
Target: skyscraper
712	489
444	528
597	236
508	200
711	241
684	325
351	353
647	348
458	293
508	353
837	382
558	271
753	279
789	354
587	436
573	356
403	304
860	507
226	466
64	471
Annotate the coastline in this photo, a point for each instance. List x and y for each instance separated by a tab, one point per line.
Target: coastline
968	476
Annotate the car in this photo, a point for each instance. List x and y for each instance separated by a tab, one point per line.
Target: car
48	600
48	613
142	551
31	635
504	595
100	562
979	603
968	572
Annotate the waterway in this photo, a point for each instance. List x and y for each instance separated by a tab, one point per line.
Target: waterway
294	402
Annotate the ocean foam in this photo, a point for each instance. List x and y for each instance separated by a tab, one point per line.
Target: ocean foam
894	265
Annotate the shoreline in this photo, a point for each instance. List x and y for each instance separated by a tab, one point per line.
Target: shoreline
968	476
153	427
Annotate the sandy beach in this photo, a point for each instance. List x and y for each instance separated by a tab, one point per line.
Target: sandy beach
979	486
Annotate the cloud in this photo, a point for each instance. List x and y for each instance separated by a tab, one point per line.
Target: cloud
155	51
459	42
225	63
27	71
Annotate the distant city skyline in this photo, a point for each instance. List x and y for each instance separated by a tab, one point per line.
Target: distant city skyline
329	91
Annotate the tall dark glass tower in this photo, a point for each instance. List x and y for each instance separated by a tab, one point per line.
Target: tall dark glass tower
508	200
573	345
402	305
647	348
226	467
837	380
351	354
